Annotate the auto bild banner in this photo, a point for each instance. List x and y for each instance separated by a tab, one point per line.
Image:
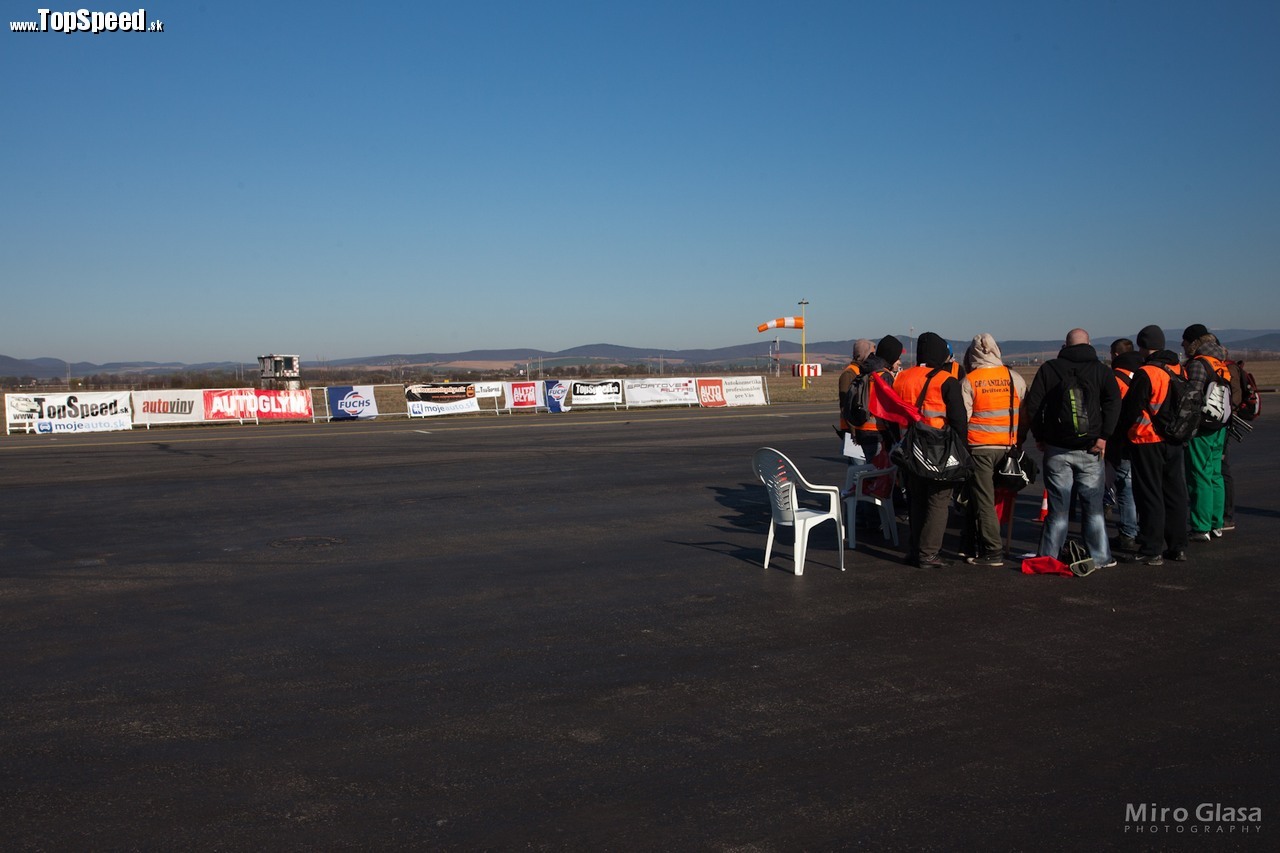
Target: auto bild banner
660	392
525	396
252	404
351	402
86	411
449	398
603	393
168	407
557	394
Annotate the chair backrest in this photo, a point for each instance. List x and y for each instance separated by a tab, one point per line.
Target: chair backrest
779	475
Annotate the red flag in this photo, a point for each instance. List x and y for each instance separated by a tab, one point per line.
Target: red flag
1005	499
884	404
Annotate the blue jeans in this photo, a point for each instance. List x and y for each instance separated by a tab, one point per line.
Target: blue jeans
1126	508
1084	472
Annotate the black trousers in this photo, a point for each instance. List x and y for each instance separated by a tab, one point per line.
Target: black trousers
1160	491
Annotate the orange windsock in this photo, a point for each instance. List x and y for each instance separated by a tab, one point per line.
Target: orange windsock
782	323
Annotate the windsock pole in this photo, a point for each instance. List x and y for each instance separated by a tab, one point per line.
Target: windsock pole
804	360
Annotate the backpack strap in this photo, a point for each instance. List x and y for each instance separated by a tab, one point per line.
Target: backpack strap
1012	432
924	390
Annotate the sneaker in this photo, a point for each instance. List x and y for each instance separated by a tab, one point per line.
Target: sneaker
995	561
1146	559
932	561
1229	525
1199	536
1217	532
1124	543
1109	564
1178	556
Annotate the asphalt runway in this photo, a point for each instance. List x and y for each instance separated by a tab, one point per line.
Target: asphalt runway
554	632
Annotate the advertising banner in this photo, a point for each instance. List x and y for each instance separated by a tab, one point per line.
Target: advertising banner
250	404
351	402
557	394
744	391
447	398
168	407
525	396
711	393
488	390
84	411
603	393
660	392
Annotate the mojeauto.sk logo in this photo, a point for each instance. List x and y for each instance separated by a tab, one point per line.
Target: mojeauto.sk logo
354	403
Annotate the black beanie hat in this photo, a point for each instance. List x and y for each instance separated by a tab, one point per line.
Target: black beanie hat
890	349
1151	337
932	350
1194	333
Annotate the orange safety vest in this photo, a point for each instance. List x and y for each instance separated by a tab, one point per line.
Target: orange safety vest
995	407
1143	431
1123	384
1218	367
908	385
856	371
870	424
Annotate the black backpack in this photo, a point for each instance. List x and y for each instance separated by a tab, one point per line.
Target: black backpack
1216	409
1066	413
854	410
1180	414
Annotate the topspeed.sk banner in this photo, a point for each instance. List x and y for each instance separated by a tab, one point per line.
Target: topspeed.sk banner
87	411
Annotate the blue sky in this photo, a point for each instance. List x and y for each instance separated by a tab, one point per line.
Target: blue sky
350	179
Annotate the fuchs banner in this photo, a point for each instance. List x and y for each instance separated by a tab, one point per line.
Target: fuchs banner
557	394
525	396
603	393
168	407
660	392
744	391
449	398
249	404
351	402
85	411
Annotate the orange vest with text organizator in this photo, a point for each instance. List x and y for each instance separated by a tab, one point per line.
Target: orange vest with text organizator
908	384
994	421
1143	431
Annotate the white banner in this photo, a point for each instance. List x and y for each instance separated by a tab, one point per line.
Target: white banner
488	390
744	391
660	392
431	408
606	392
168	407
86	411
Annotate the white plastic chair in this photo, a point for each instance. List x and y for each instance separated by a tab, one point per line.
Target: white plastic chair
855	489
787	489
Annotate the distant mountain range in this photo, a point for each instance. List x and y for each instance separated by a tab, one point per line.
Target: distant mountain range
755	354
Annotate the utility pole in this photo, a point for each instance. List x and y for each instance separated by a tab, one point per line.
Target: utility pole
804	360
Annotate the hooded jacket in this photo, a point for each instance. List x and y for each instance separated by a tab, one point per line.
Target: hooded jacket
984	355
1138	397
1102	397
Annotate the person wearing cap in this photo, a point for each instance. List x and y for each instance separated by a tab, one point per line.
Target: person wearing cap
1125	361
992	397
1073	461
942	406
1159	475
862	348
1206	494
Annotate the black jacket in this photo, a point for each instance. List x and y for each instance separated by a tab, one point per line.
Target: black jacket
1101	395
1139	394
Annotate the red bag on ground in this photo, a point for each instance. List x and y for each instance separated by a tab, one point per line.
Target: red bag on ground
1045	566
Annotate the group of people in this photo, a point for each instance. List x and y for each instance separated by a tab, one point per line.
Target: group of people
1097	425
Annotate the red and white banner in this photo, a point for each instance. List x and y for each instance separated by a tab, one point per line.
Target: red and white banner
711	393
525	396
248	404
660	392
